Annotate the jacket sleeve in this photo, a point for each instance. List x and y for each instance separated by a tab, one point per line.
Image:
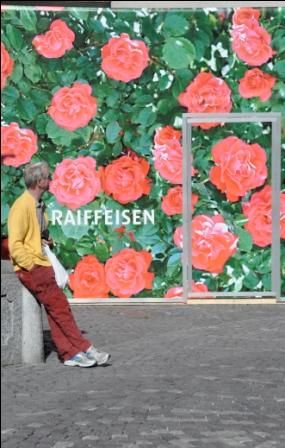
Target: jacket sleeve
17	229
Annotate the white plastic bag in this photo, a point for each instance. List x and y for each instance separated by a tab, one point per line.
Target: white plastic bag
61	276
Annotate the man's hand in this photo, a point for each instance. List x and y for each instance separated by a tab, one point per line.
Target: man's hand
48	242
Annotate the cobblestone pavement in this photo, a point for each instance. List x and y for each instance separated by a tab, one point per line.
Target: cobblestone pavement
181	377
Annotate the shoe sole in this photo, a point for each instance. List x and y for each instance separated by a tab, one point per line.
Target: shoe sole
77	364
102	363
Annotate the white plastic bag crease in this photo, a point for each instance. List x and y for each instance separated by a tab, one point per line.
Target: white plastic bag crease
61	276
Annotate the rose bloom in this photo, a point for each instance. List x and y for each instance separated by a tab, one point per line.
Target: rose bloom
124	59
240	167
125	179
7	65
177	291
73	107
256	83
251	42
166	134
206	94
88	279
172	202
17	145
126	272
259	213
212	243
178	237
168	154
56	41
76	182
243	15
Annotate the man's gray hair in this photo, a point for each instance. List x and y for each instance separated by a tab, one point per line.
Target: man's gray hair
34	172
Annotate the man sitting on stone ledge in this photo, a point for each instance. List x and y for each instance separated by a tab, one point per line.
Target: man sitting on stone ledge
27	230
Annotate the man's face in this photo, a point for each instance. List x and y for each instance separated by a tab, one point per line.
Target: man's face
45	180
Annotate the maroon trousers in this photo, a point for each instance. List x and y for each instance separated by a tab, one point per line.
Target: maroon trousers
67	337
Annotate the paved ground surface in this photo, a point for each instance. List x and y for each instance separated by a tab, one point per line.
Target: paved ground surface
181	377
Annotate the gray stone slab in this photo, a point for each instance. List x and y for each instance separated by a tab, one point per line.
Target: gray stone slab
21	321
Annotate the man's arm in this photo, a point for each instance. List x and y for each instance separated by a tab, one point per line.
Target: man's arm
17	228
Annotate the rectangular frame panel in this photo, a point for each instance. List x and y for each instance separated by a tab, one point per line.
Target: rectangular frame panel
188	120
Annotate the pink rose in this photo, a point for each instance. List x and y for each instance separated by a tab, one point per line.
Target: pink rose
256	83
124	59
73	107
177	291
76	182
168	154
240	167
88	279
17	145
212	243
7	65
207	94
172	203
259	213
127	272
56	41
251	42
125	178
166	134
243	15
168	161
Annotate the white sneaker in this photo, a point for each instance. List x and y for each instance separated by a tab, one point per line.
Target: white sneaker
101	358
80	360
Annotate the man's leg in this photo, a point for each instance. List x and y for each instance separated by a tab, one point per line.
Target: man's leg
64	330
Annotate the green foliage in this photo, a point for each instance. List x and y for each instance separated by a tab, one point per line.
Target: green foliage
178	52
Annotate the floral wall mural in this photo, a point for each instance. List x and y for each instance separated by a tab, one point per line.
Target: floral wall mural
99	95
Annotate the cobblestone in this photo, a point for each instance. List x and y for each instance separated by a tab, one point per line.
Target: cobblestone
180	377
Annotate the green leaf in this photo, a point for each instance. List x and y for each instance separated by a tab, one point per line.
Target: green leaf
28	20
15	37
41	123
278	41
33	73
266	280
102	252
174	259
146	117
279	67
58	135
10	95
245	240
17	73
175	24
148	235
27	110
79	13
112	131
251	281
178	52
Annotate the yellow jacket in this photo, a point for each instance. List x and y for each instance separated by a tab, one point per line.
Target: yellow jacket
24	237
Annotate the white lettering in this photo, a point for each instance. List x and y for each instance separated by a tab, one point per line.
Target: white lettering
69	218
126	217
87	214
108	217
111	217
56	216
97	216
148	216
137	217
